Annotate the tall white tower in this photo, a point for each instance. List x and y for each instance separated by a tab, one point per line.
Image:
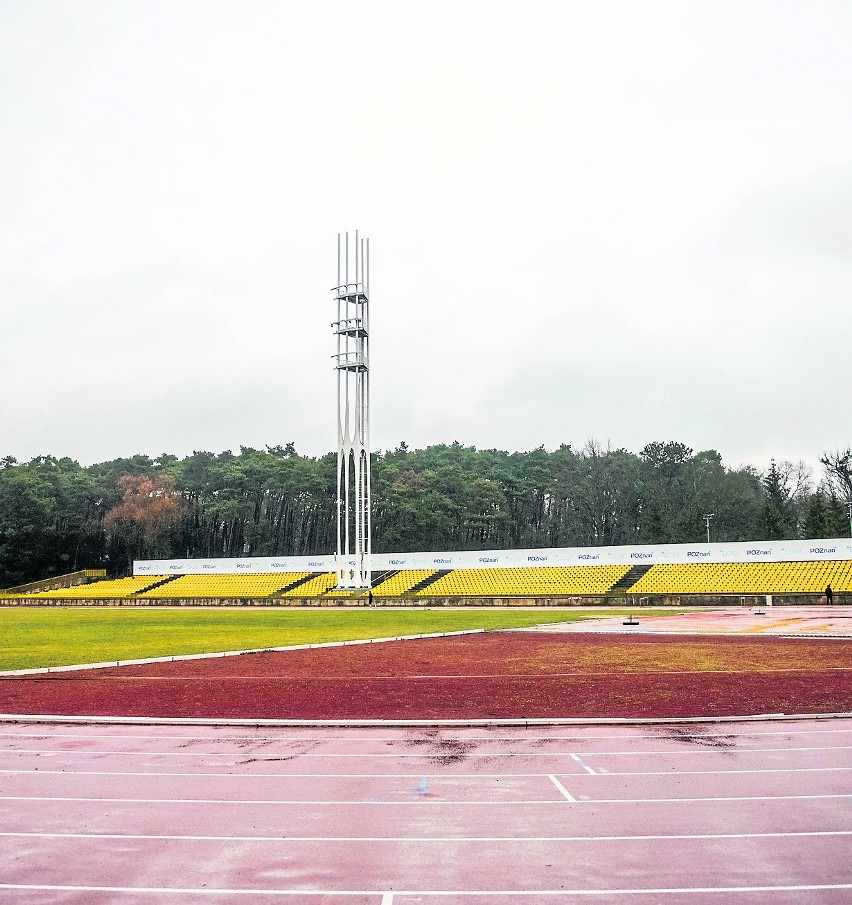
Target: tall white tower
352	361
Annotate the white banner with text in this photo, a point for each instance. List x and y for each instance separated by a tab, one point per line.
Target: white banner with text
754	551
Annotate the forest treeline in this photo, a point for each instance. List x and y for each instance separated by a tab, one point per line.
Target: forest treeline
57	516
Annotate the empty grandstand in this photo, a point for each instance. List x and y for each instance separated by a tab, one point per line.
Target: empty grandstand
119	587
798	568
746	578
526	581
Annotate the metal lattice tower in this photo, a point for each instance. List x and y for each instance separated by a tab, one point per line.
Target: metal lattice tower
352	361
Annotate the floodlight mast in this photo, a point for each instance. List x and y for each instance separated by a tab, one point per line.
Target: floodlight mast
352	362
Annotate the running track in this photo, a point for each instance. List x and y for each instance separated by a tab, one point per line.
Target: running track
755	812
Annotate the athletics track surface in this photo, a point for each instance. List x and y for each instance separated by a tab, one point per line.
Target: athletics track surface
802	621
749	812
500	675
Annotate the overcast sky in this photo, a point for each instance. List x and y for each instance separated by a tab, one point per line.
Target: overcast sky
620	220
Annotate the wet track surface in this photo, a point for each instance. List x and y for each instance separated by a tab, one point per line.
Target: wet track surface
801	621
757	812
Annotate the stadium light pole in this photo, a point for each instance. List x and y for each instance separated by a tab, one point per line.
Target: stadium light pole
707	517
352	363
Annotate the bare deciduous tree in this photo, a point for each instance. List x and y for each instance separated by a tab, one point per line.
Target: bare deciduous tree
838	472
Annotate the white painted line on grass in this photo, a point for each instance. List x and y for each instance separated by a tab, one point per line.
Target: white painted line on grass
232	653
582	763
561	788
431	893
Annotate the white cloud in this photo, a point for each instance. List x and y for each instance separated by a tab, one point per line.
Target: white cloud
614	220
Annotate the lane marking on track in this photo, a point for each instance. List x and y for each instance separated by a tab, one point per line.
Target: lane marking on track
583	764
726	749
454	893
758	772
561	788
418	839
387	898
436	752
419	801
467	777
358	736
288	752
425	725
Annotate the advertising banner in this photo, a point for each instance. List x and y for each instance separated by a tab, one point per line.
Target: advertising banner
753	551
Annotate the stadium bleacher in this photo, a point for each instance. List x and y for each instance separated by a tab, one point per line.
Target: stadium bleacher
745	578
526	581
259	585
401	583
109	588
594	581
317	585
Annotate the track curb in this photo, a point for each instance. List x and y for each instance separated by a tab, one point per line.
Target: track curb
44	670
522	722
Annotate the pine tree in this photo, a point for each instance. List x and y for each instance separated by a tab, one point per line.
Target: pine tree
775	521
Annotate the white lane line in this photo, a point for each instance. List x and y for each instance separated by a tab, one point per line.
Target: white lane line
709	798
450	778
725	747
419	801
387	898
759	772
454	893
639	838
175	658
583	764
458	734
182	891
467	777
435	752
561	788
267	754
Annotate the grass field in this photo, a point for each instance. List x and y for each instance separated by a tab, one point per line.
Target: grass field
58	636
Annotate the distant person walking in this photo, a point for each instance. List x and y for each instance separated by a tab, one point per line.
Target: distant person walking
829	595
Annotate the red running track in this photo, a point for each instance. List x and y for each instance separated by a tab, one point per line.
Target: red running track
758	813
495	675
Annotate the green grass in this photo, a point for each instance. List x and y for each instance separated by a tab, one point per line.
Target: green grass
58	636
